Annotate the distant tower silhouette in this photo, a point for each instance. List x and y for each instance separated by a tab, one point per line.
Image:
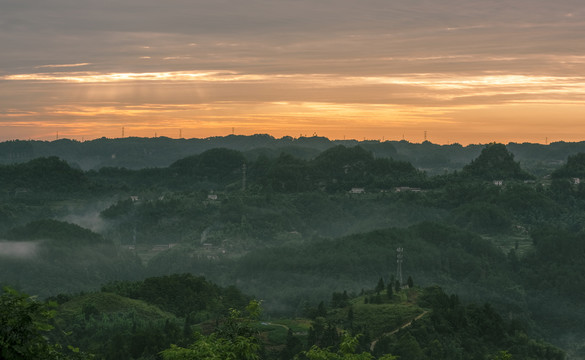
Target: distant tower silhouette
122	131
399	256
425	135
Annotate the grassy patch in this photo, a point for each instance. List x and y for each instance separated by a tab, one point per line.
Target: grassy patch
522	243
381	318
110	303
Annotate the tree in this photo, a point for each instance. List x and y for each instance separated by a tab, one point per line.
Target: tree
321	310
502	355
408	347
495	163
233	339
410	282
380	286
350	317
346	351
339	300
389	291
24	320
293	346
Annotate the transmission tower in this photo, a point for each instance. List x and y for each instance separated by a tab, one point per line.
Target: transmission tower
399	256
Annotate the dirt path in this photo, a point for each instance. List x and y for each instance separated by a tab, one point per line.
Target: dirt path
373	344
273	324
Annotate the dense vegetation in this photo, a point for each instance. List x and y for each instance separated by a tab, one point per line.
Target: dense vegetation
138	153
292	221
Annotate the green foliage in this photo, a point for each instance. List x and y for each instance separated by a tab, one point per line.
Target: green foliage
495	163
502	355
380	318
295	234
482	217
118	209
43	175
216	165
182	295
114	327
574	167
347	351
380	286
23	323
457	331
339	300
554	246
234	339
62	257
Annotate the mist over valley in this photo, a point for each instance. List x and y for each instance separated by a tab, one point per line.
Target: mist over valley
168	235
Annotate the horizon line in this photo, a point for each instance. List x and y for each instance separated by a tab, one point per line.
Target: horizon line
83	139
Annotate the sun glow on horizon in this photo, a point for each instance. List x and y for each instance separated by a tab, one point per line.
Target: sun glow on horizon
446	105
462	74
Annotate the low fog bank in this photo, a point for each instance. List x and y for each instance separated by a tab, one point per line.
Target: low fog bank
18	249
87	215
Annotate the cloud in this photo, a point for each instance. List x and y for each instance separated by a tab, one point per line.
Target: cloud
66	61
62	65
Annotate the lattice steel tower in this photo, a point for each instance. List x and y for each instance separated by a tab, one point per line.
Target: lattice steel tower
399	264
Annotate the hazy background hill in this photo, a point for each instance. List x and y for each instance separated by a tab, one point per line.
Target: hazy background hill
136	153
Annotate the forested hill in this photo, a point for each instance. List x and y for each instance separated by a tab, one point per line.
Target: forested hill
335	169
137	153
496	163
188	317
293	228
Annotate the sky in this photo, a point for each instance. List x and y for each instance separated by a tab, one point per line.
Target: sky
449	71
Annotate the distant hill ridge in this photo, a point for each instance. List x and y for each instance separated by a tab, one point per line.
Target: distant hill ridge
137	153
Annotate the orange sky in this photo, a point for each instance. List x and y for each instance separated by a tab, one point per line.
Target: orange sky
384	70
